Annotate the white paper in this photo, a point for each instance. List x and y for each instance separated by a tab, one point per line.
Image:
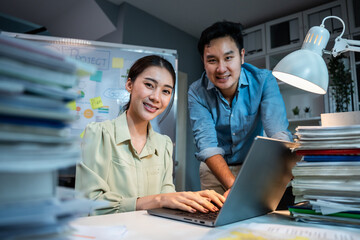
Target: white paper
260	231
82	232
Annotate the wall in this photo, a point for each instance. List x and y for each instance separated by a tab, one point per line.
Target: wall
101	20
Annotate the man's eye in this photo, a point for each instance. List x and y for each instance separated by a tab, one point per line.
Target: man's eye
229	58
211	61
149	85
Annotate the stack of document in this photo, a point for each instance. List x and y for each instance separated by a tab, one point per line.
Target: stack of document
35	140
327	181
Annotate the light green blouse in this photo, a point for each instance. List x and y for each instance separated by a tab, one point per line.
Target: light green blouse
112	170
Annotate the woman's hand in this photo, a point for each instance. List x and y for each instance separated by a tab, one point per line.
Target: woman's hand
193	201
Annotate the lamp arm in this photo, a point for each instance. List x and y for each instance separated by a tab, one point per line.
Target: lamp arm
342	45
342	22
345	45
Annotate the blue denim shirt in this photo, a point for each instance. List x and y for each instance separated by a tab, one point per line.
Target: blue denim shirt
230	131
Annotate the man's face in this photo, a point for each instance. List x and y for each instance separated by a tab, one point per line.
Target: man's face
222	63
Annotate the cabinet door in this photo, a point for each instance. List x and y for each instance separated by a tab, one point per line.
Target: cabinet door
254	41
284	33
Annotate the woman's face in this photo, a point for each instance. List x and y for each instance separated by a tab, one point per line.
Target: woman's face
150	93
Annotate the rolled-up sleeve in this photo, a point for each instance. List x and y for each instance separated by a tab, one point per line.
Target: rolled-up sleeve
203	127
93	172
273	112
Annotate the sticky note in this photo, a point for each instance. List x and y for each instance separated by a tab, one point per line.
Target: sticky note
82	134
88	113
71	105
96	102
97	77
117	63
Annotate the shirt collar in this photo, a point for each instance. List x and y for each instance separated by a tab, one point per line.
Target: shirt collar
122	134
210	85
242	81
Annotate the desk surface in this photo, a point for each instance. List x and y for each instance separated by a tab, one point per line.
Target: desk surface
141	225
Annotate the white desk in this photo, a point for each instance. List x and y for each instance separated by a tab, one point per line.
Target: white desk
141	225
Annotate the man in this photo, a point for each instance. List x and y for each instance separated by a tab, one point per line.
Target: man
231	104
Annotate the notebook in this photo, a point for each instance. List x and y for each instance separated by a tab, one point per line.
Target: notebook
257	189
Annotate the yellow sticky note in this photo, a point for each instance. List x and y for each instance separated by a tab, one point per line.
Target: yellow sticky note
117	63
96	102
82	134
71	105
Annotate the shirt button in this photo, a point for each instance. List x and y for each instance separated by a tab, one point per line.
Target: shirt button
234	134
232	115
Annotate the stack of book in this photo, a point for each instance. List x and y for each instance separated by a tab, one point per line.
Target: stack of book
326	181
35	140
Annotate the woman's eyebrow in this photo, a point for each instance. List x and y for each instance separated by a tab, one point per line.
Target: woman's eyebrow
156	82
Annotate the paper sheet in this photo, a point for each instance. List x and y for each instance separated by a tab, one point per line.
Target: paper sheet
259	231
82	232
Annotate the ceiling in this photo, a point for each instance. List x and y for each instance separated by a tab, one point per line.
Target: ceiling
193	16
190	16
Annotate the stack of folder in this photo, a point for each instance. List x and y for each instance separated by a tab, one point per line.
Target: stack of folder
36	141
326	181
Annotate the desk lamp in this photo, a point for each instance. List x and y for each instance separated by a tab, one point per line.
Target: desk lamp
305	68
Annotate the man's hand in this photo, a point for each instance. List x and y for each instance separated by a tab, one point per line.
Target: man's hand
221	170
227	193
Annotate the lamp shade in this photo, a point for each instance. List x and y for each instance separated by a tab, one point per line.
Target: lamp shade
305	68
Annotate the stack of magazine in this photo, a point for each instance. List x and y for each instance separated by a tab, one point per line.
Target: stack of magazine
326	181
35	140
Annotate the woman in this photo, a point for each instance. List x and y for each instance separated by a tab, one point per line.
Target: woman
128	164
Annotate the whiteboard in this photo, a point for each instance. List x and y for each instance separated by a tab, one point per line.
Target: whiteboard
113	62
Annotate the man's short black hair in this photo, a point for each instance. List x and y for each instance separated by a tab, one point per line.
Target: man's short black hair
218	30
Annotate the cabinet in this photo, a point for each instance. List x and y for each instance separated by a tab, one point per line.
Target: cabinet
285	35
353	7
255	46
314	17
254	41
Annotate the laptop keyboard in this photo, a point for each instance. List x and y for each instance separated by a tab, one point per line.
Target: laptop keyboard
205	216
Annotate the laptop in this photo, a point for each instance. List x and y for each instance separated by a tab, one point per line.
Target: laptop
257	190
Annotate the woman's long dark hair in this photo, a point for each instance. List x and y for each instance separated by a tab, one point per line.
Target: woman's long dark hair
151	61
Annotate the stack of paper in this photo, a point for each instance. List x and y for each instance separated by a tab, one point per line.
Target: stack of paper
327	180
35	140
